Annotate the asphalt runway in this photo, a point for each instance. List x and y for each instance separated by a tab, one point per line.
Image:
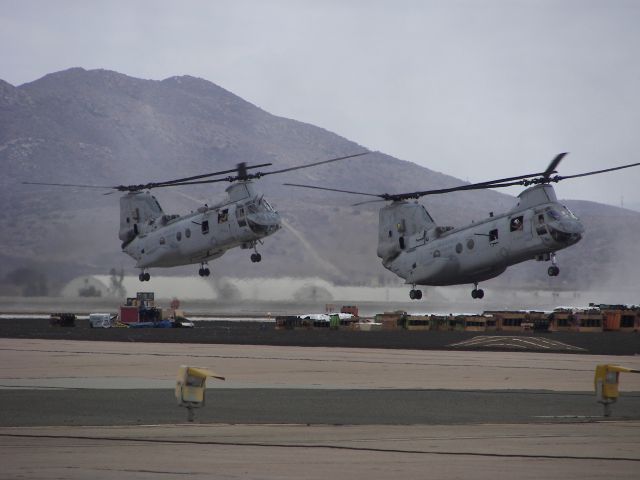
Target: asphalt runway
105	410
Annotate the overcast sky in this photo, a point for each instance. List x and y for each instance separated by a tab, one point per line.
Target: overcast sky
477	89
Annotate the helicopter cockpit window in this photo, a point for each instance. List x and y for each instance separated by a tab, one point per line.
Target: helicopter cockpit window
223	216
554	214
267	205
205	227
516	224
252	208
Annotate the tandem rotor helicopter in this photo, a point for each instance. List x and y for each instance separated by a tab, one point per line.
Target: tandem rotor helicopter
155	239
415	248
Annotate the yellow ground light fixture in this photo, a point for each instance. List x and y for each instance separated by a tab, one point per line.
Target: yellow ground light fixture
190	387
606	383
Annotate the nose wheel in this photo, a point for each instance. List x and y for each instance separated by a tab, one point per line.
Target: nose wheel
144	276
204	270
553	270
477	293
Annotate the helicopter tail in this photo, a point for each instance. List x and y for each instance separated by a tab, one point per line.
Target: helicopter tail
138	212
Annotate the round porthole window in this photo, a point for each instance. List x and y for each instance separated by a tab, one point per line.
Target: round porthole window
459	248
470	243
187	233
179	236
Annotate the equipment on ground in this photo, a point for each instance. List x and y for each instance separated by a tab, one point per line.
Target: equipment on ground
155	239
414	247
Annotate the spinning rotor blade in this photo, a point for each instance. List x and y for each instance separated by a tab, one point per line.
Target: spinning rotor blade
557	178
250	176
313	164
68	185
525	180
240	170
330	189
196	177
554	163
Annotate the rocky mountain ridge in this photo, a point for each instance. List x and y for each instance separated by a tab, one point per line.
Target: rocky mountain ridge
105	128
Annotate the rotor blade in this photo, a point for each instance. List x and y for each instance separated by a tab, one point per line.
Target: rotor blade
554	163
205	175
333	190
558	178
313	164
68	185
197	182
368	201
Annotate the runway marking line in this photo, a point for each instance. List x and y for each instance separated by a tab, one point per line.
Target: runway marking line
319	446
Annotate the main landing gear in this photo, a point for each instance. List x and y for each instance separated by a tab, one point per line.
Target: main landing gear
415	294
204	270
553	270
144	276
477	292
255	257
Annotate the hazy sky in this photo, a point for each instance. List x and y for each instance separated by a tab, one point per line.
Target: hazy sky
477	89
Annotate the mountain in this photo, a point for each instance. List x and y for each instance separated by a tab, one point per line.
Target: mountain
105	128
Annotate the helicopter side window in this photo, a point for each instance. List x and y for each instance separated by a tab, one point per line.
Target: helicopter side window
223	216
187	233
205	227
516	224
241	217
493	236
162	241
179	236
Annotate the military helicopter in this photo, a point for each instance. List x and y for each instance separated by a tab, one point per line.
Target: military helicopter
415	248
155	239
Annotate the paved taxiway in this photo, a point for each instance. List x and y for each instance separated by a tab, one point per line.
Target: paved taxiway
74	409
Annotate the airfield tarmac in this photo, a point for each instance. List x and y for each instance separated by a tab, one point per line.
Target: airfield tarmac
105	410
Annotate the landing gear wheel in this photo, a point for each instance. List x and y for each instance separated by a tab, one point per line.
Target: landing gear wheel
256	257
477	292
141	277
207	272
553	271
415	294
144	277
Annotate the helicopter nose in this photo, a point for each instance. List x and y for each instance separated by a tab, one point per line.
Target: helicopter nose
264	222
567	231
